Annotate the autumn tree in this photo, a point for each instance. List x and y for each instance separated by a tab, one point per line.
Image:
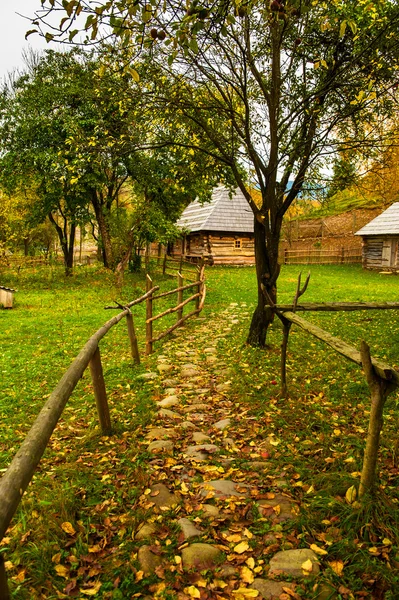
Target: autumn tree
289	77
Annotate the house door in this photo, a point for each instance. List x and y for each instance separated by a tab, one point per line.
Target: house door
389	253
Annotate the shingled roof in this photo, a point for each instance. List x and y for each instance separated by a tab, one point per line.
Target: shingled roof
387	223
222	213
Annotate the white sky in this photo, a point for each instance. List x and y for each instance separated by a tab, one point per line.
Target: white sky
12	33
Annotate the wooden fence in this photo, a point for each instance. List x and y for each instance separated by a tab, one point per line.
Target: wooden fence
318	256
171	266
382	379
21	470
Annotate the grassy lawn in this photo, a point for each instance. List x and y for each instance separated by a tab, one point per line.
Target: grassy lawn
319	430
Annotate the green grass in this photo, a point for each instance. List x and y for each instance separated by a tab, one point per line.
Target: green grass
320	428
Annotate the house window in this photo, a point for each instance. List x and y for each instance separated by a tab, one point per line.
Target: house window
237	244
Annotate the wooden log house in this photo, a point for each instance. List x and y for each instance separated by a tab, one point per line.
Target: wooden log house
380	240
220	231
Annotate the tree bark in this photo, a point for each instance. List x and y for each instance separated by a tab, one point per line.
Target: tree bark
67	242
266	258
103	227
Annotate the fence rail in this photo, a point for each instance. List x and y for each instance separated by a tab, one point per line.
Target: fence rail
20	472
321	257
382	379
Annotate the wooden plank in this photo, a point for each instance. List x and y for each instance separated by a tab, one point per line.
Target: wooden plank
134	348
340	306
180	284
173	309
100	392
148	326
384	370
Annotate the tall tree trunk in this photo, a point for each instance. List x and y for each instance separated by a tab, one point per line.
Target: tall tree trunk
267	268
67	243
103	227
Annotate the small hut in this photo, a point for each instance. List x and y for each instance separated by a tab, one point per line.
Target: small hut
221	231
380	240
6	297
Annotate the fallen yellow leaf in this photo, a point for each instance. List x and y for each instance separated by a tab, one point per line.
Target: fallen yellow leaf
245	593
93	590
246	575
241	547
318	550
337	566
250	562
95	548
68	528
193	592
350	495
62	571
307	566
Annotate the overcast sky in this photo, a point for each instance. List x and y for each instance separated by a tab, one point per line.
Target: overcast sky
12	33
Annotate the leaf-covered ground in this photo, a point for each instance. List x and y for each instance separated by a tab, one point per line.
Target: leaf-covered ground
292	462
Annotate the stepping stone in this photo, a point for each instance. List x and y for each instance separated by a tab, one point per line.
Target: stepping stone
164	413
170	382
160	446
223	488
201	391
228	442
289	562
188	528
287	508
164	368
210	350
148	376
189	373
188	425
160	433
222	424
199	437
190	366
270	590
201	452
171	391
210	510
200	556
227	571
162	358
211	359
164	498
146	530
168	401
148	560
197	416
196	407
223	387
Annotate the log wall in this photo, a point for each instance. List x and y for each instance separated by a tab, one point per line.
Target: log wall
381	252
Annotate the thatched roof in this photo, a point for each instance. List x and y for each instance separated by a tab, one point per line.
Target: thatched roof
387	223
222	213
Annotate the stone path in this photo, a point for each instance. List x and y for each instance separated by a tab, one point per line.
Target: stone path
228	515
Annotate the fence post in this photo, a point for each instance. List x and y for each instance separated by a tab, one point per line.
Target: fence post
180	284
148	327
133	339
147	257
4	591
100	392
164	263
199	287
285	256
181	263
159	254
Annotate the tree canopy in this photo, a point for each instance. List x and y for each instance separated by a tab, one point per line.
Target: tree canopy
270	89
